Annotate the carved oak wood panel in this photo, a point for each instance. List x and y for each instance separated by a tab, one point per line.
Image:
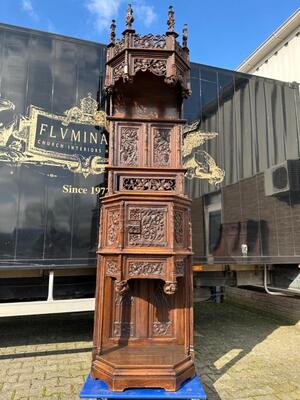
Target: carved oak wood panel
146	226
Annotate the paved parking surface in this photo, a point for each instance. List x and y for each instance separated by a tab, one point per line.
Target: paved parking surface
239	355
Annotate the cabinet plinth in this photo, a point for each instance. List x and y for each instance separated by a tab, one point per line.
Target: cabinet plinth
143	331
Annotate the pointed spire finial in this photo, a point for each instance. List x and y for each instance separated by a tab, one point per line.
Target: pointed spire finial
171	20
113	32
129	17
184	35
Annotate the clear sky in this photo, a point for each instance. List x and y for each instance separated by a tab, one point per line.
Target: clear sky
221	32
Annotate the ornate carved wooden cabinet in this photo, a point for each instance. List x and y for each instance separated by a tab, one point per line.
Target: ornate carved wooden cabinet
143	334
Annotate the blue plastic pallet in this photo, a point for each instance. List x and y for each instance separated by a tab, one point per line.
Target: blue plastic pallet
97	389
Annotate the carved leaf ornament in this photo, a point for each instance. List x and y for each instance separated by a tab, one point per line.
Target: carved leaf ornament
151	231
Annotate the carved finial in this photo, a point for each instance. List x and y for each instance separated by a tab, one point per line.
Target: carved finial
171	20
184	35
129	17
113	32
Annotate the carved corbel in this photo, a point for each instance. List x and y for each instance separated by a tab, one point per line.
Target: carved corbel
170	287
121	287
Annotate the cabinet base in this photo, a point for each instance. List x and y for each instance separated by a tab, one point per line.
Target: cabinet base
150	366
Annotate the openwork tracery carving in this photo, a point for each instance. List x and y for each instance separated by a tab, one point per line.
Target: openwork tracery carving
157	67
149	41
161	147
146	268
147	227
129	146
155	184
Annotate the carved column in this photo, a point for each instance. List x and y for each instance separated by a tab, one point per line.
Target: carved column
143	335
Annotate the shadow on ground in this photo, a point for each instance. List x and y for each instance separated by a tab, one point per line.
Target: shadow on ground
224	334
46	329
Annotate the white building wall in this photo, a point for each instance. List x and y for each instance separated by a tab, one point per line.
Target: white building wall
283	63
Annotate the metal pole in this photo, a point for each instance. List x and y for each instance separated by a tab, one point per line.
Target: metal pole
50	286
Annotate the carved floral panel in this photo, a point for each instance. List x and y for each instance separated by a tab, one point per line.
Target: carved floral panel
146	268
112	268
150	41
113	219
129	140
147	227
178	227
162	147
118	71
157	67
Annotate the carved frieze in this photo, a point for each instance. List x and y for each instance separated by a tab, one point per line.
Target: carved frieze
129	146
146	268
161	147
156	67
149	41
143	184
161	328
123	329
147	227
113	217
178	227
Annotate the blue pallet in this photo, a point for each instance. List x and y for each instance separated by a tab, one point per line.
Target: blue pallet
97	389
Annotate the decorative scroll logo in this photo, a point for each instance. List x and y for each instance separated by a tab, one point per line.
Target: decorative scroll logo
76	140
198	162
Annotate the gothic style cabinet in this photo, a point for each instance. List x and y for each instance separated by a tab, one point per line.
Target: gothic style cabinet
143	334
